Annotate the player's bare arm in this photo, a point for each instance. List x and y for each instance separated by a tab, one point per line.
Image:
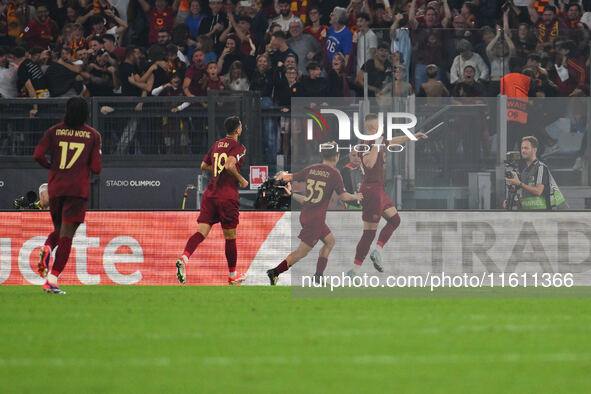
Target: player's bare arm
351	197
403	139
370	158
230	166
206	167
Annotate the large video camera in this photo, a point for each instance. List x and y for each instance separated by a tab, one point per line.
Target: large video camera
28	201
272	196
512	164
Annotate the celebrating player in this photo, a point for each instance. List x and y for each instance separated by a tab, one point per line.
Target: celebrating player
376	203
321	181
220	201
75	150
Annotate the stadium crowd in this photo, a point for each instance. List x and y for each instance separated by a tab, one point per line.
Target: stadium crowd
285	48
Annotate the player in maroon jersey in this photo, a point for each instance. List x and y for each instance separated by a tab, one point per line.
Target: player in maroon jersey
220	202
75	150
376	203
321	181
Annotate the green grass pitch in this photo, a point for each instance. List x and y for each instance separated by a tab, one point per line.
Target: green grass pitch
259	339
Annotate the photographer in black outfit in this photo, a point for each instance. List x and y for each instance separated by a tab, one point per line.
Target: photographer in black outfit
538	189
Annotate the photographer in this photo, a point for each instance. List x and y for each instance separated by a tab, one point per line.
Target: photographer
535	180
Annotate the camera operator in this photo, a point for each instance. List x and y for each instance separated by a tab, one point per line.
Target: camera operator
534	180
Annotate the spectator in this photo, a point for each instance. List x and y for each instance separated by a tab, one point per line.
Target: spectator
31	79
161	16
195	18
231	53
314	27
258	24
433	87
548	26
214	24
488	34
128	71
191	85
241	29
206	45
313	84
431	19
111	46
468	11
99	25
63	78
575	30
401	43
95	44
304	45
526	40
212	80
41	31
398	87
367	41
8	76
69	12
279	51
17	15
285	15
284	90
236	79
465	58
498	52
468	85
377	70
352	174
174	130
262	81
102	74
339	38
163	37
338	83
570	71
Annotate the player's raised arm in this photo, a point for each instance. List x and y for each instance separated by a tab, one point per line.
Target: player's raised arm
230	166
403	138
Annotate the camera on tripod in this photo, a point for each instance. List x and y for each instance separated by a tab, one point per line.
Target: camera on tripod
512	160
272	195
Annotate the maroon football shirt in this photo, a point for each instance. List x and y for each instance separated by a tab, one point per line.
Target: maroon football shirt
223	185
321	181
74	153
377	173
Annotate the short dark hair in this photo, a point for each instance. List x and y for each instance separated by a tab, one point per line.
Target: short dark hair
280	34
550	8
18	52
109	37
76	112
535	57
67	49
95	20
98	39
515	64
364	15
284	2
329	153
532	140
129	50
36	50
313	66
231	124
164	30
245	18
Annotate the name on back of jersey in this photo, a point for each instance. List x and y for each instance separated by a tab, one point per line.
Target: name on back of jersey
73	133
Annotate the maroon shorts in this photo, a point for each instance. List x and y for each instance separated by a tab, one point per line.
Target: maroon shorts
313	232
67	209
214	210
375	202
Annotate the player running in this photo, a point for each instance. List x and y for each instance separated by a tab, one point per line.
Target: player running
376	202
321	181
220	201
75	150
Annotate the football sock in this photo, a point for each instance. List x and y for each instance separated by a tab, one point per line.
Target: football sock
52	239
192	243
232	274
231	254
388	229
364	245
321	265
61	256
282	267
51	278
